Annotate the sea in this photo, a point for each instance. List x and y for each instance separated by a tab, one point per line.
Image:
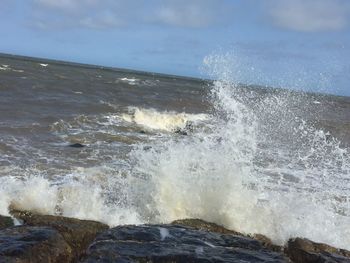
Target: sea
155	148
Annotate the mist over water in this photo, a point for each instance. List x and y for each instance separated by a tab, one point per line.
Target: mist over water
272	162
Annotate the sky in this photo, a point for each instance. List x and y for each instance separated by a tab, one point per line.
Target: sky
300	44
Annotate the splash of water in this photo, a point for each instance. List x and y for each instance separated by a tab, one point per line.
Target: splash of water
98	193
256	166
248	173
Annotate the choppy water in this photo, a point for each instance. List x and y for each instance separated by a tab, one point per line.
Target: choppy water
256	160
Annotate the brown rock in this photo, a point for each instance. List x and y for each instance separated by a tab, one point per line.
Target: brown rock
266	242
212	227
77	233
28	244
5	221
302	250
206	226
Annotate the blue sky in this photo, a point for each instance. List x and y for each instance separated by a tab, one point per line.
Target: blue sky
303	44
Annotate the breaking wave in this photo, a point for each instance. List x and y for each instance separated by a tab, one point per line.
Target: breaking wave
257	165
260	168
166	121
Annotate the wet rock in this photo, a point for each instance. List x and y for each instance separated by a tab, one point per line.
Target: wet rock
24	244
77	233
189	126
181	132
267	243
174	243
77	145
305	251
186	130
203	225
212	227
5	221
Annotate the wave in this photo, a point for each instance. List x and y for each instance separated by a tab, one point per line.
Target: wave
261	168
5	67
135	81
165	121
131	81
256	166
87	193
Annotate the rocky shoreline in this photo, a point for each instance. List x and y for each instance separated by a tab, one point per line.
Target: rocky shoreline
47	238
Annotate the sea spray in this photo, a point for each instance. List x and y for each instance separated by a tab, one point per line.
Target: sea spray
218	174
93	193
256	164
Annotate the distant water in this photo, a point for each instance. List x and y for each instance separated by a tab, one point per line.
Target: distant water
159	148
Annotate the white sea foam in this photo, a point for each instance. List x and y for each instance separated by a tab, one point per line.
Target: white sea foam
158	120
131	81
216	176
5	67
80	195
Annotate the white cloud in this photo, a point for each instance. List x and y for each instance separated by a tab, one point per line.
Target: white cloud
309	15
104	20
117	13
194	13
66	5
95	14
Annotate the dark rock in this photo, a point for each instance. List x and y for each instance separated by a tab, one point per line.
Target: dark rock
24	244
305	251
146	148
212	227
77	145
180	131
189	126
5	221
203	225
186	130
267	243
77	233
174	243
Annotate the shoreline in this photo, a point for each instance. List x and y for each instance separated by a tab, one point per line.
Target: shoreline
48	238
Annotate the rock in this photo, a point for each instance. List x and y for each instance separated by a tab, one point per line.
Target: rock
186	130
77	145
22	244
203	225
267	243
212	227
305	251
77	233
147	148
174	243
181	132
5	221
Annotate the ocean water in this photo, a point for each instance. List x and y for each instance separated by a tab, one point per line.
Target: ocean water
160	148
